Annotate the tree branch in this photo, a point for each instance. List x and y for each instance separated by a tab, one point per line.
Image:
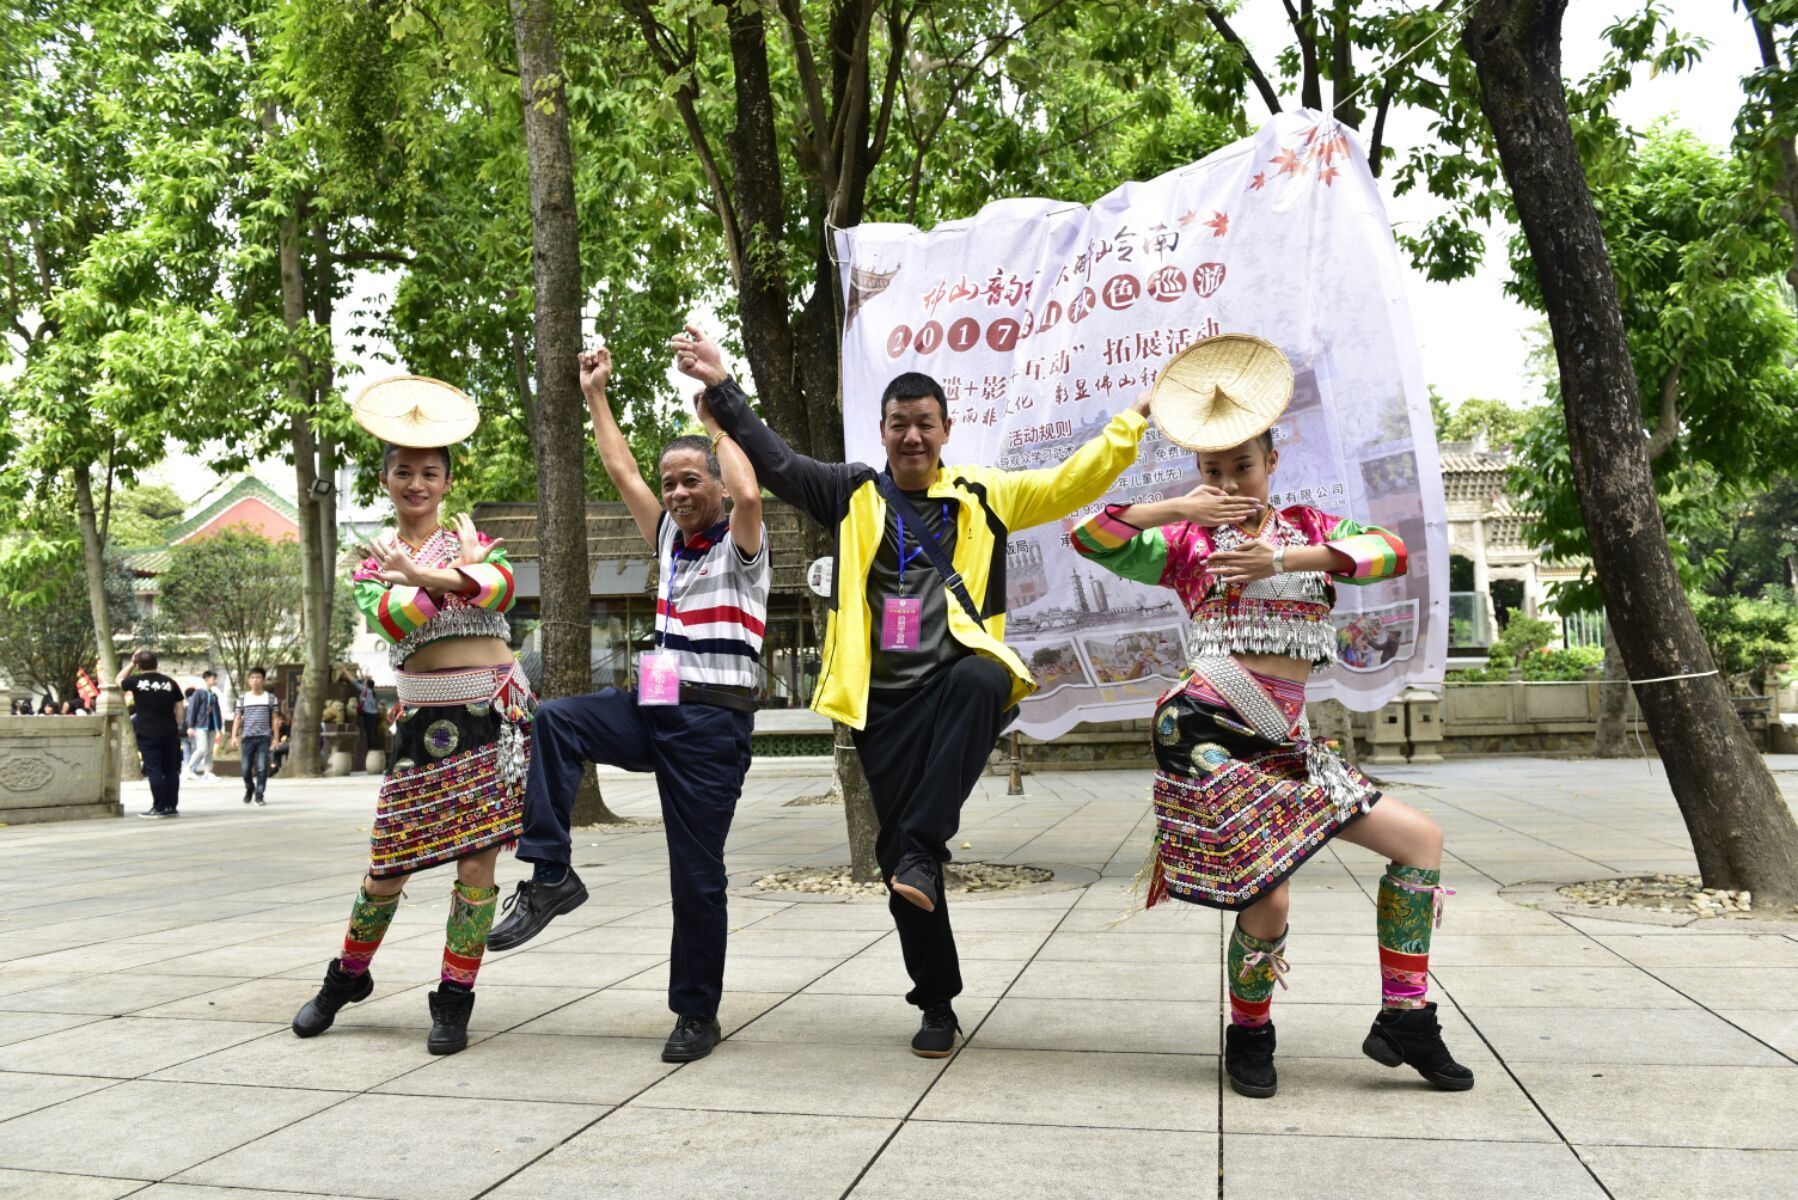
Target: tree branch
811	87
673	61
1667	432
1787	187
1342	66
898	38
1268	96
1304	25
1389	78
360	258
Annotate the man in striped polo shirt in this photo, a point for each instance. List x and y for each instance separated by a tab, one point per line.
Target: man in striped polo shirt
688	720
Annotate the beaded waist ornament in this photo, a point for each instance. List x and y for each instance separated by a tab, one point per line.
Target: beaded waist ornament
505	687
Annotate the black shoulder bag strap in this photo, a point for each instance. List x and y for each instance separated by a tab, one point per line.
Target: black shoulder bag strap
933	549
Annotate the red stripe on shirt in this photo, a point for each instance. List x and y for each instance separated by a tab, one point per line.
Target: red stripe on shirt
726	613
387	622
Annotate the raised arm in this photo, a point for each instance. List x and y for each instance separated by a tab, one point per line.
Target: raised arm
739	481
614	451
820	490
1033	497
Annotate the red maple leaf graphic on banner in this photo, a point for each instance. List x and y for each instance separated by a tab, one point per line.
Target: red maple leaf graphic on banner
1328	175
1219	223
1187	216
1287	161
1259	182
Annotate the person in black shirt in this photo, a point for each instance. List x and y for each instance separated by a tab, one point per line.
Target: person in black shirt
156	717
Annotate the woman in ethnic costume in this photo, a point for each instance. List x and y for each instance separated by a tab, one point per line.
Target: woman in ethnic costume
1243	794
454	789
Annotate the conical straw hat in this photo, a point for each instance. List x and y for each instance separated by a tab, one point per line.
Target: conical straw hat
1221	391
412	410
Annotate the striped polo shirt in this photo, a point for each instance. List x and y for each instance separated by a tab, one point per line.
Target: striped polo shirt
711	603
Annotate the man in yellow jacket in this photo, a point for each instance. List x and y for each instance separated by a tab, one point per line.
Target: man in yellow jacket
915	663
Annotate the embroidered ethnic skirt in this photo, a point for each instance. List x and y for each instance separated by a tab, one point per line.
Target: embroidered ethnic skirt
455	784
1235	813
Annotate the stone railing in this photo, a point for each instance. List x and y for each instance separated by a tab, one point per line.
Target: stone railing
59	768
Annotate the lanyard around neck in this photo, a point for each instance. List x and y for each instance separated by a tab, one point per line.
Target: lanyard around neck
905	558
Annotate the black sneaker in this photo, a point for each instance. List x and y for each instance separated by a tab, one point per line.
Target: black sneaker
247	799
1413	1037
936	1033
340	988
919	880
152	813
261	803
450	1009
531	906
693	1038
1249	1059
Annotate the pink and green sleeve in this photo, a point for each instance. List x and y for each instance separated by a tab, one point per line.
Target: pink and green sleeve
1119	547
493	581
392	611
1374	553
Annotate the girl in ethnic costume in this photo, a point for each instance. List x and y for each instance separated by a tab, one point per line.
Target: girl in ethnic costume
1243	794
454	789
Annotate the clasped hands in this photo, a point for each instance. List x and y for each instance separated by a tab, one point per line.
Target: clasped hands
1211	507
398	566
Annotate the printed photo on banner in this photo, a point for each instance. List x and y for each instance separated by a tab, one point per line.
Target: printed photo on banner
1148	654
1369	640
1056	665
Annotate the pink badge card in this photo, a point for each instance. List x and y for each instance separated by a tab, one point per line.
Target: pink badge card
658	677
899	621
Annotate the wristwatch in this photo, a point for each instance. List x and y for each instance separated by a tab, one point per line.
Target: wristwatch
1279	560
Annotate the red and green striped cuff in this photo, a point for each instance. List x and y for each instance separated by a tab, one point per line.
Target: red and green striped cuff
494	579
403	609
1373	553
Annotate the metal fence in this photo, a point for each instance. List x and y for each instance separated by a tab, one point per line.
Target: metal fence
1582	629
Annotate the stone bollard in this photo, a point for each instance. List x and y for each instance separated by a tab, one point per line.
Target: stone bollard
1387	739
375	763
1424	721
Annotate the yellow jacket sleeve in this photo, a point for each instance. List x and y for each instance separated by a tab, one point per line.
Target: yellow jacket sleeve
1026	498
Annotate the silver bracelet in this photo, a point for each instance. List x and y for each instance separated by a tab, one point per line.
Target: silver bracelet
1279	560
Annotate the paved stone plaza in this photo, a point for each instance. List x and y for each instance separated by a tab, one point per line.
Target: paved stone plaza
150	970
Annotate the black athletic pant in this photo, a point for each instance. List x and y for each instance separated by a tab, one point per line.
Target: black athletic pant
162	767
923	750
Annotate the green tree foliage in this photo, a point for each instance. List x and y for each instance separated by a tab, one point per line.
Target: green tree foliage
46	634
237	589
1698	249
143	515
1758	550
1501	424
1749	636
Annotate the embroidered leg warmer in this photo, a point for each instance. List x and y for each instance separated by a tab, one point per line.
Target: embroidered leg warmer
465	937
1254	966
369	918
1410	908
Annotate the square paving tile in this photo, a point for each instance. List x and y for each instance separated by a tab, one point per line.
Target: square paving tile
126	1047
1646	1036
1662	1173
1200	946
1137	1026
41	1185
339	1060
1621	986
1607	1104
1101	980
880	971
1321	1097
1721	950
630	1013
493	1138
20	1093
270	1001
497	1006
517	1066
1735	987
788	1077
22	1026
1036	1160
1052	1087
847	1020
112	995
1339	1168
150	1130
659	1154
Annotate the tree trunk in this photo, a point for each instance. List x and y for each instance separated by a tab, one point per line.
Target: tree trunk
1742	830
93	556
858	808
557	434
314	586
1613	701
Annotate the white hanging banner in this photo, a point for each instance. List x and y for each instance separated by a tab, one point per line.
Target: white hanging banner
1042	319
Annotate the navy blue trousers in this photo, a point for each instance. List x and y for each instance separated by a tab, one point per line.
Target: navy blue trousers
699	754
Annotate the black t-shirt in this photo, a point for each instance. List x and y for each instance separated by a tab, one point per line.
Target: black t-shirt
153	705
937	647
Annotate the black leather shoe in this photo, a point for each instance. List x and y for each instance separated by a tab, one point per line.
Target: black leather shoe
1413	1037
532	906
693	1038
1249	1060
450	1009
919	880
936	1033
340	988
